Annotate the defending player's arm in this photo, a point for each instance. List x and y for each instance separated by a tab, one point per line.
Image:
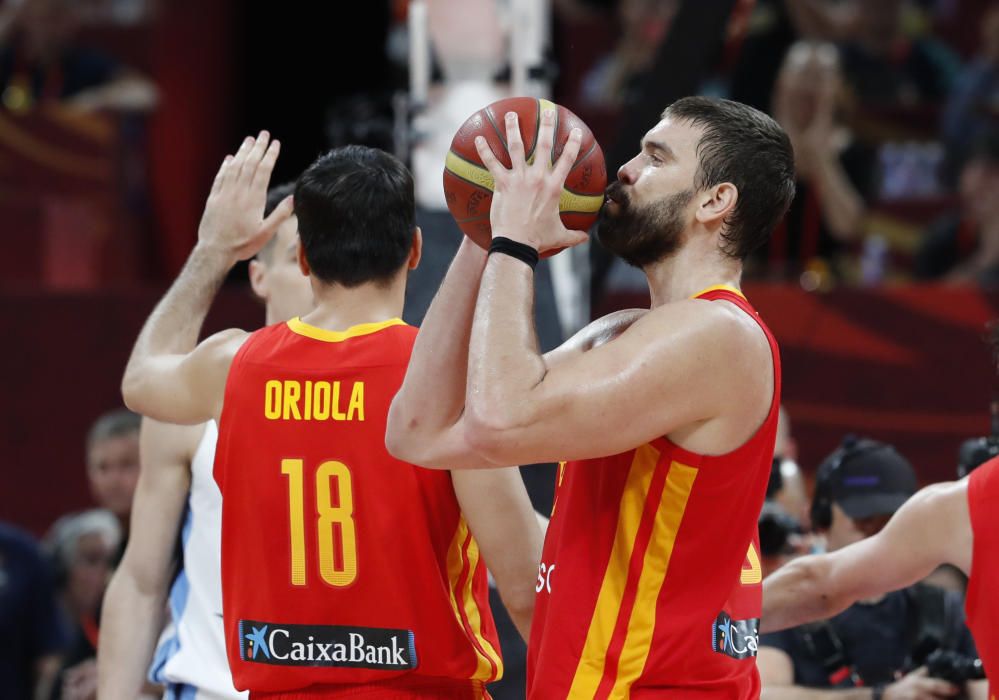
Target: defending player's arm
507	528
423	423
132	616
167	377
931	529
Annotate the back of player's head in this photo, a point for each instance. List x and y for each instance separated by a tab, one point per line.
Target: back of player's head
356	215
744	146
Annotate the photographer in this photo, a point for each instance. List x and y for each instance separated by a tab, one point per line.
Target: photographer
877	647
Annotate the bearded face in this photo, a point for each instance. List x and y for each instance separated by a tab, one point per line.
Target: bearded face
642	235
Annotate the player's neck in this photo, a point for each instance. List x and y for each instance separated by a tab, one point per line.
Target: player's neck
339	308
692	269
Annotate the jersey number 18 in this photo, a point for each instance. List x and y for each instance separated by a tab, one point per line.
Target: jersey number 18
333	520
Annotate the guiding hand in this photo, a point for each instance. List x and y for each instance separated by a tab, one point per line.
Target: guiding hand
233	222
525	206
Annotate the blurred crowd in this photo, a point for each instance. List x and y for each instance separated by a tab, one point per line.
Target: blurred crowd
51	592
892	108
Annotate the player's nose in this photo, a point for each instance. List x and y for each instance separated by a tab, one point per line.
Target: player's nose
627	173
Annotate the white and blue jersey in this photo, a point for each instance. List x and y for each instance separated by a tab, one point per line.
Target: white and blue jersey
190	660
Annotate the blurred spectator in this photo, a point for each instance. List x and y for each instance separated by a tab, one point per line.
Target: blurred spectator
886	68
781	524
31	636
82	547
774	25
949	578
113	464
835	172
857	490
792	494
40	61
973	107
644	23
963	247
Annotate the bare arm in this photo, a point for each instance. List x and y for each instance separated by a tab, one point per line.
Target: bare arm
843	208
506	527
133	605
166	377
932	528
423	422
129	91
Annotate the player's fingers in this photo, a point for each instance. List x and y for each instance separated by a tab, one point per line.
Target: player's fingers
262	173
546	140
282	212
253	158
488	158
514	143
569	154
240	158
219	180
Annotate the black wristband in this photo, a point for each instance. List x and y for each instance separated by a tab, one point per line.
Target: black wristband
521	251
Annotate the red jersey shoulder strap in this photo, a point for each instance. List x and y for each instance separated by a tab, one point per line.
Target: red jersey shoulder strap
724	292
981	483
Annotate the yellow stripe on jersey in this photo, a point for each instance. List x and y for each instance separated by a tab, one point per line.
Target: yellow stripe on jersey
642	622
590	668
721	287
456	563
474	617
297	325
558	486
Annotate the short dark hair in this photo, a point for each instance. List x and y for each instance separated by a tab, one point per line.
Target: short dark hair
356	215
113	424
275	196
744	146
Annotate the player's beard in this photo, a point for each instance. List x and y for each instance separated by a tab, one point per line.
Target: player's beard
643	235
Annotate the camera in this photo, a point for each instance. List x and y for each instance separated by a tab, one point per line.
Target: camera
776	528
954	667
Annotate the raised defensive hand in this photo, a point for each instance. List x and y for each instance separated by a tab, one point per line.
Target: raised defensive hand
526	196
233	221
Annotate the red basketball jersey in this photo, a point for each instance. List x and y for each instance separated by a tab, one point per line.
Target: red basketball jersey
650	582
982	603
341	566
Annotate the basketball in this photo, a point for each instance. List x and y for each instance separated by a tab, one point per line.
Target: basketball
468	186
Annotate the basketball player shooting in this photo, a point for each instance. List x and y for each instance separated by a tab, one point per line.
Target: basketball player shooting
650	576
345	572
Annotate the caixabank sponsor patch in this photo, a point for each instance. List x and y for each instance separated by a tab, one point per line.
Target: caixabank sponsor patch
326	645
739	639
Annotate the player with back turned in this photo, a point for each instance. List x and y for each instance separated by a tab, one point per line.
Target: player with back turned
649	584
345	572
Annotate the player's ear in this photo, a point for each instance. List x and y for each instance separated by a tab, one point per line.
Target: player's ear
303	264
258	278
415	249
716	203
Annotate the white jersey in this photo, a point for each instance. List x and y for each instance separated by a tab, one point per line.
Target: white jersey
191	659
